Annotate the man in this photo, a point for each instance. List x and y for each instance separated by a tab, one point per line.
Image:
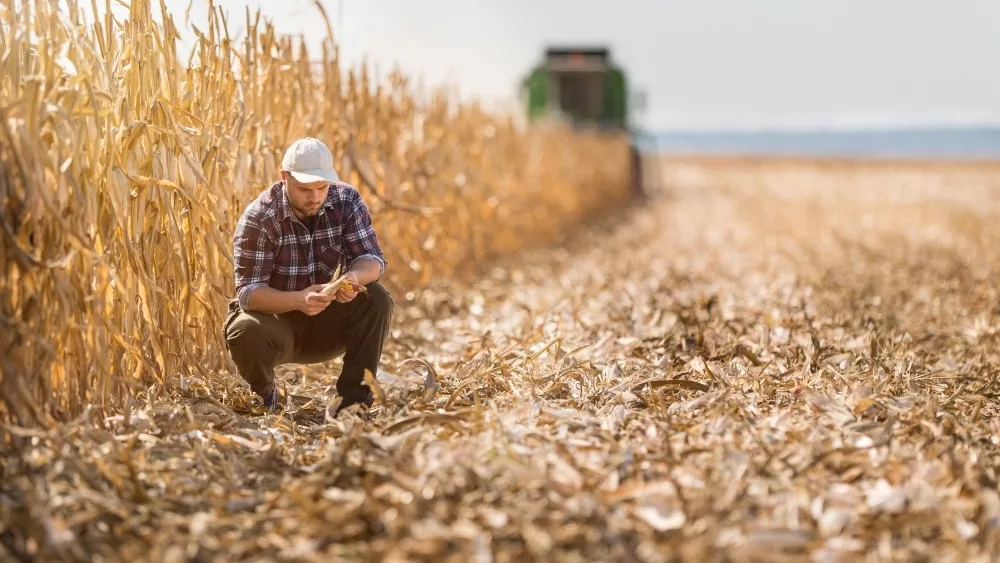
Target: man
288	243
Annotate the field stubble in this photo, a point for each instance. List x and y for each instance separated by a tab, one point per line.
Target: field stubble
770	361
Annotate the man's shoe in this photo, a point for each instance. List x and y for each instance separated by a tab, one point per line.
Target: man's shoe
271	399
363	397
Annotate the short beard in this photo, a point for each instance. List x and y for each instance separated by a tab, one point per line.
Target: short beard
303	212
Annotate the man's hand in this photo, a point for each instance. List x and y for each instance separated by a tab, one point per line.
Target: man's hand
346	293
312	302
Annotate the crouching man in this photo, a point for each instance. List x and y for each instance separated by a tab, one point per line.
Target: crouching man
288	243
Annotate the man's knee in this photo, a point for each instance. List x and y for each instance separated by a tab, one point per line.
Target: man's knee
250	331
380	299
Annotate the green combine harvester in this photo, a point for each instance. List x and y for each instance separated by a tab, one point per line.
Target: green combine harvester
585	87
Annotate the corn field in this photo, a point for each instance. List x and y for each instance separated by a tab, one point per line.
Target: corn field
126	164
767	360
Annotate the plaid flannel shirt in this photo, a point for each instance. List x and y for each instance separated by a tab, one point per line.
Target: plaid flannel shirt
271	247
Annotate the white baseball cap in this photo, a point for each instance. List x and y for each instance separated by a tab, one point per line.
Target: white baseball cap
309	160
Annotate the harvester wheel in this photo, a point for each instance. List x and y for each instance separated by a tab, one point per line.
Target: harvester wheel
638	190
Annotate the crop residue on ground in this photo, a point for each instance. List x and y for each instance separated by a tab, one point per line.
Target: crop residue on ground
767	361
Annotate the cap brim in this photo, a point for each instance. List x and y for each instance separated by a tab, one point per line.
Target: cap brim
316	175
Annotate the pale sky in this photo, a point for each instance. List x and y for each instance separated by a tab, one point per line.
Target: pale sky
702	63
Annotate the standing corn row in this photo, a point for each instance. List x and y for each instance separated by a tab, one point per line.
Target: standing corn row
125	168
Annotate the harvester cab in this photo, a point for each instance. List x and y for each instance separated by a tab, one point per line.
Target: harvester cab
584	86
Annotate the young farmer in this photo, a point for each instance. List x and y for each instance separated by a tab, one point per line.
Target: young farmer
290	241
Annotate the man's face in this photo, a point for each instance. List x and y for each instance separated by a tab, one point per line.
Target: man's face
305	199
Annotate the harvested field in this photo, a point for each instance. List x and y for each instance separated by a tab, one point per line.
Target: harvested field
768	361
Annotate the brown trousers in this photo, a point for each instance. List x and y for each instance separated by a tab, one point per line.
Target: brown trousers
257	342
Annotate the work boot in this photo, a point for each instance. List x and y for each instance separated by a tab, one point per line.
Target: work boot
271	399
363	396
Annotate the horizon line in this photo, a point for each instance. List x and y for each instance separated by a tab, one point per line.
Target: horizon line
827	129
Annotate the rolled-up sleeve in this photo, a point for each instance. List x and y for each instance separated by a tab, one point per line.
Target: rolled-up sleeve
253	249
360	240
